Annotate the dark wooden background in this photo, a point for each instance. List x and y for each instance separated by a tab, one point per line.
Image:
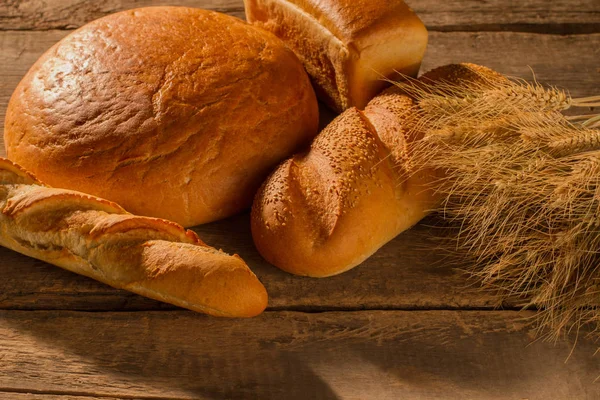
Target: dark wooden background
400	326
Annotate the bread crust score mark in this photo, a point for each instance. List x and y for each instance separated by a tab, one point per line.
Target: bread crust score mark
325	211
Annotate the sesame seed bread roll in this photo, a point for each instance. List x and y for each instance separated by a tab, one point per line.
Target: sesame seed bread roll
325	211
346	46
148	256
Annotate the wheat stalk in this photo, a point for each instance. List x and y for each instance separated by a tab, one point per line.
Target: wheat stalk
522	183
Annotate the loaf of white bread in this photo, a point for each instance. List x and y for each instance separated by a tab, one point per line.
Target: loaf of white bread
326	210
97	238
348	47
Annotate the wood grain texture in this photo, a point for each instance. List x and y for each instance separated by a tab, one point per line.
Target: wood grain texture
71	14
562	16
361	355
542	16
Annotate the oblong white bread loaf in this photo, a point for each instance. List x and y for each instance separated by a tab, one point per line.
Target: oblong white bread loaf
325	211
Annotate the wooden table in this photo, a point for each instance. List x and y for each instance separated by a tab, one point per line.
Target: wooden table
400	326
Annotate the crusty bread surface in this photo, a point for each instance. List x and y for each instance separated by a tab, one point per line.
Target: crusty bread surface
99	239
347	46
172	112
461	74
324	211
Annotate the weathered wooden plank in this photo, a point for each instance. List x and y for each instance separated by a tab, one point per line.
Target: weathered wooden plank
404	274
563	16
542	16
360	355
70	14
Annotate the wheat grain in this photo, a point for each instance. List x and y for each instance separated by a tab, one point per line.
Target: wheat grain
522	184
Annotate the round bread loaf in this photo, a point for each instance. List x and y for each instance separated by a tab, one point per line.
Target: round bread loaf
172	112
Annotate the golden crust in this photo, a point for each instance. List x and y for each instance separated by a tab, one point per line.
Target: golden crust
98	239
326	211
12	173
457	74
346	46
168	111
44	197
359	23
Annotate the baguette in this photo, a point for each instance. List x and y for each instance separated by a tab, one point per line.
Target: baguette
346	46
325	211
97	238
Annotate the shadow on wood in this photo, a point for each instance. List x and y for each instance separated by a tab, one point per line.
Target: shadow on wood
350	355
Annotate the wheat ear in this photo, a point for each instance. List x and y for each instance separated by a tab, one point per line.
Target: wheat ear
521	182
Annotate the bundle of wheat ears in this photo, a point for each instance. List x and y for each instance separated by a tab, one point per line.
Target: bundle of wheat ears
521	182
